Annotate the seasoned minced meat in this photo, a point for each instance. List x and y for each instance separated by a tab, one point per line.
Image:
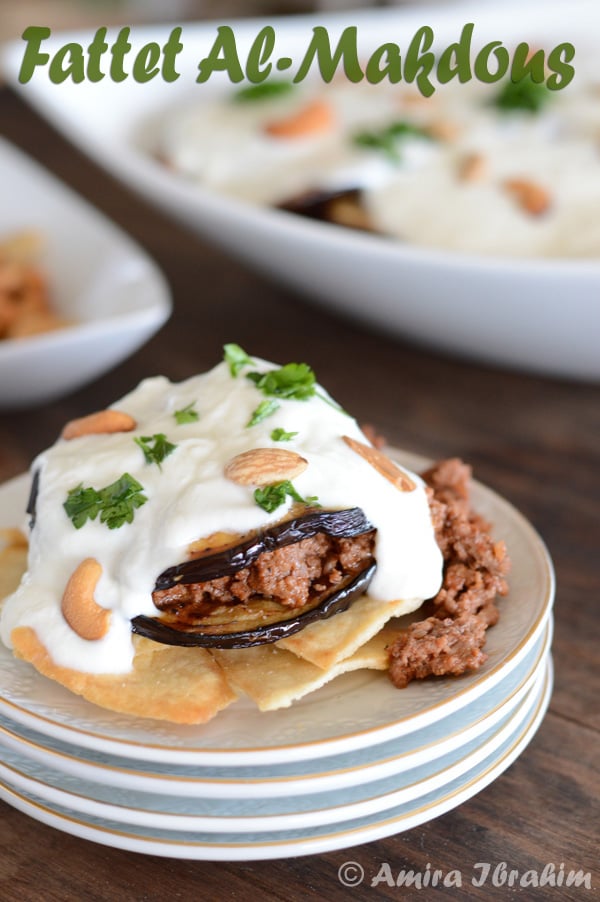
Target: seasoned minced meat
291	575
442	647
450	640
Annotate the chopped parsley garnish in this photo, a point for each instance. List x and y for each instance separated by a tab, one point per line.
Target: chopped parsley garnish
187	415
273	496
388	139
265	409
116	503
280	435
266	90
155	453
294	381
524	94
237	358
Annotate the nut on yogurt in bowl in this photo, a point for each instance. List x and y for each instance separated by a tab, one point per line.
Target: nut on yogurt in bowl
491	169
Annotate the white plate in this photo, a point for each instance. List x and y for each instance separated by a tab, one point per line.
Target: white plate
536	314
248	847
355	711
281	813
282	780
99	278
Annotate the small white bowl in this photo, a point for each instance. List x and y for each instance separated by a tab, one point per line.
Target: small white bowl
100	280
535	314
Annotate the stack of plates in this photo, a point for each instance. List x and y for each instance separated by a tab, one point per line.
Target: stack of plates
353	762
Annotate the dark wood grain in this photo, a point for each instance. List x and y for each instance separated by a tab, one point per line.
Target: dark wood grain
536	441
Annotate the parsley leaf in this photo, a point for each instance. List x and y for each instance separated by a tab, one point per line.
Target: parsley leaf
273	496
389	138
156	453
265	409
186	415
116	503
294	381
82	505
236	357
280	435
264	91
524	94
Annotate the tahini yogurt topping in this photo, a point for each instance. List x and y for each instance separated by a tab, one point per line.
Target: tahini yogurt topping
189	497
421	196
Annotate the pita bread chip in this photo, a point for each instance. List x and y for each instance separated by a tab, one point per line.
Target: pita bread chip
11	537
274	678
181	685
329	641
13	561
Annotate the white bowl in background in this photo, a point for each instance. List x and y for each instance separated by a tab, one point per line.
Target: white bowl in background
536	314
100	280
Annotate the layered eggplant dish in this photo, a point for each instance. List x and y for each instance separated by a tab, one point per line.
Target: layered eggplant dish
503	169
238	534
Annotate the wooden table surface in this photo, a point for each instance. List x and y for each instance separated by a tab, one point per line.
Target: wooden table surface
536	441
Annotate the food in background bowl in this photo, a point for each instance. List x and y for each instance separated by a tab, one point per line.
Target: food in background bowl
25	303
238	532
489	169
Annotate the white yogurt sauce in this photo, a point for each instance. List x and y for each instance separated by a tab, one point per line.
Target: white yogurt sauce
421	199
190	498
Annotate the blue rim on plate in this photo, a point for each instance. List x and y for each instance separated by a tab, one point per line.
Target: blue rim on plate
343	716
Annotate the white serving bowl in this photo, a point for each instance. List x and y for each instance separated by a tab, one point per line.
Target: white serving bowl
115	296
536	314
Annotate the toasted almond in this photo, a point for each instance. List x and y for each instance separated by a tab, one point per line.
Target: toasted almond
384	466
415	98
443	130
264	466
472	168
105	421
316	116
80	609
531	197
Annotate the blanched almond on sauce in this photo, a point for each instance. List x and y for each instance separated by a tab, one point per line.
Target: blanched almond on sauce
532	197
265	466
443	130
103	422
384	466
472	168
81	611
315	117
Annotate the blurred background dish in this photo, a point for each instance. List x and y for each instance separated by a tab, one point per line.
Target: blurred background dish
107	296
537	314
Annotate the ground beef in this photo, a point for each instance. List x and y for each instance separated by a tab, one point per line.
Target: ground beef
441	647
451	638
291	576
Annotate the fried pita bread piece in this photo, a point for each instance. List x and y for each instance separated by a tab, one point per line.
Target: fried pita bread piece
13	560
274	678
181	685
328	642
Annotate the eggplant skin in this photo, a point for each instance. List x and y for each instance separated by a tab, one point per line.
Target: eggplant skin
32	501
262	621
339	524
152	628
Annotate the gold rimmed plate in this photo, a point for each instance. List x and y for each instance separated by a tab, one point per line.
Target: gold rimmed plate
235	846
355	711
